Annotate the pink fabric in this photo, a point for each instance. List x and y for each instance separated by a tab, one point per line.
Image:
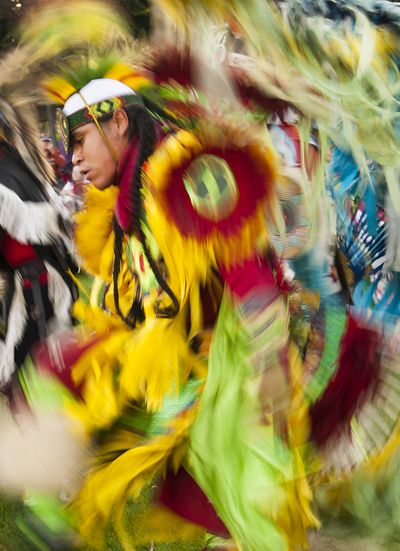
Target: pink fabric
125	169
126	166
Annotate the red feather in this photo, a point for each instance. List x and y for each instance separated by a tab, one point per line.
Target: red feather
254	186
251	95
174	65
182	67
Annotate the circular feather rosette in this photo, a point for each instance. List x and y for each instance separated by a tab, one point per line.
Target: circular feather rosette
214	189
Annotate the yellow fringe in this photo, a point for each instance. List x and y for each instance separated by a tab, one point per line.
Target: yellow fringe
297	517
112	484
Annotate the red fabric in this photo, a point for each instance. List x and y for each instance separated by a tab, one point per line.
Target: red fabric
251	275
185	498
354	381
253	182
16	253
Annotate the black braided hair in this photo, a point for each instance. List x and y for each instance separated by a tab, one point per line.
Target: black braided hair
145	128
136	312
142	125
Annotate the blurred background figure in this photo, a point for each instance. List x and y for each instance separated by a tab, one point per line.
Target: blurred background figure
72	193
57	161
37	292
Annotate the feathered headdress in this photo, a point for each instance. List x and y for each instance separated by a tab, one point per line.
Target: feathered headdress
90	87
47	31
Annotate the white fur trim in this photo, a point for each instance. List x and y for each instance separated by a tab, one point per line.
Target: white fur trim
61	299
15	331
66	237
96	90
54	198
28	222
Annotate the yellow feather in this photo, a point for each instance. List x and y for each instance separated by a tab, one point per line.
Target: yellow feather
130	472
158	524
128	76
94	234
156	362
95	291
58	89
55	26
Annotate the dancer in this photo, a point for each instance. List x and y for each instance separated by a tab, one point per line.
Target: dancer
38	292
189	367
174	225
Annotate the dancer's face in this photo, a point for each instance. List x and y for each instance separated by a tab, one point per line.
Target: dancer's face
93	155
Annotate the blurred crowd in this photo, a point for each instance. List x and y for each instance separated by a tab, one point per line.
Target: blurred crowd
70	182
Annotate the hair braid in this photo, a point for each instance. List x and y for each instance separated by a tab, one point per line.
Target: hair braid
147	138
118	237
136	312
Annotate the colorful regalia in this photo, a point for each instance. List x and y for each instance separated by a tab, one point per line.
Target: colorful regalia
238	347
158	379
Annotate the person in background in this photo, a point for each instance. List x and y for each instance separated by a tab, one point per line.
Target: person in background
56	160
37	292
72	193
